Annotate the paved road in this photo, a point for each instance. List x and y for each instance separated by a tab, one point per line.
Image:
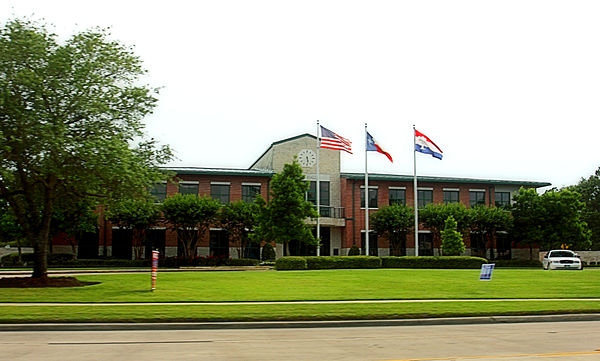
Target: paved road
547	341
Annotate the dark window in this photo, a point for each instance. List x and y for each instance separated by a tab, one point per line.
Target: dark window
372	198
424	197
425	244
323	189
502	199
159	191
219	243
477	198
373	250
220	192
249	193
188	188
450	197
398	196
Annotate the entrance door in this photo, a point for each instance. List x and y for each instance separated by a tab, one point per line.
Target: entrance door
219	243
121	243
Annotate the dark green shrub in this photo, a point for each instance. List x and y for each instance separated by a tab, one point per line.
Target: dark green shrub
268	253
517	263
354	251
329	262
242	262
450	262
60	258
290	263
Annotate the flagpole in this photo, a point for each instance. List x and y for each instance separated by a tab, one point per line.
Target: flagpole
415	193
366	197
318	192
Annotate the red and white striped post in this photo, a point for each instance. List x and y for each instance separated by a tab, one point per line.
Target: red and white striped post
154	268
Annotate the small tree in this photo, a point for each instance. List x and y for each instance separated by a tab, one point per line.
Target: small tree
137	215
452	240
284	218
190	216
394	221
434	217
238	219
268	253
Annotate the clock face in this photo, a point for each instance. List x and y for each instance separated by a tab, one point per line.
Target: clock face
307	158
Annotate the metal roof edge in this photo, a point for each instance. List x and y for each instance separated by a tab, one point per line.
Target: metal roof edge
400	177
220	171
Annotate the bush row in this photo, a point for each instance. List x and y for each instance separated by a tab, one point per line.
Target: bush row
68	260
325	262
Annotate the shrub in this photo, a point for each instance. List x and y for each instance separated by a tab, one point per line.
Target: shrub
268	253
354	251
12	260
451	262
517	263
290	263
342	262
242	262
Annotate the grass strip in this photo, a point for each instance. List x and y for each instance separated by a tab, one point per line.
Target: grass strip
278	312
319	285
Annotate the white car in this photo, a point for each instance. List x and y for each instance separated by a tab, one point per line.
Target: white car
562	259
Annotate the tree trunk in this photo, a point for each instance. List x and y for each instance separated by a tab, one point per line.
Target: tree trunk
40	254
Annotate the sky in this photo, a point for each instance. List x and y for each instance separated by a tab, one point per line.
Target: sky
509	90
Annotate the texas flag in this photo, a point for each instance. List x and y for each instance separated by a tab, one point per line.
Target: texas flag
425	145
372	145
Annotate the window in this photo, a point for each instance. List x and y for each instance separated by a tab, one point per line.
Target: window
424	197
451	196
159	192
502	199
311	195
397	196
476	198
220	192
372	197
188	188
249	192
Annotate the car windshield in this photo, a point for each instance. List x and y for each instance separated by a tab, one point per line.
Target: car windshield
561	254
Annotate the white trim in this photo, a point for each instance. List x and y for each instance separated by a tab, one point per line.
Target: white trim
322	177
251	184
424	188
476	190
424	231
451	189
188	182
215	229
370	187
400	188
220	183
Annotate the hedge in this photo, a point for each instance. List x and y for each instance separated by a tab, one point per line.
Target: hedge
329	262
452	262
290	263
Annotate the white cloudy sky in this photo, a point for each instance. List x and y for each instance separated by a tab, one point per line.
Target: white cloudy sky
508	89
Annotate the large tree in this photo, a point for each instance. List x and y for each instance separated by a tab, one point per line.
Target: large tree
487	221
284	218
589	189
394	222
70	125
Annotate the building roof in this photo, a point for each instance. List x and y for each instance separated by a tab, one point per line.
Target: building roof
409	178
220	171
280	142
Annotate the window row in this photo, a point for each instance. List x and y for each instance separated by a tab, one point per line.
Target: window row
425	197
218	191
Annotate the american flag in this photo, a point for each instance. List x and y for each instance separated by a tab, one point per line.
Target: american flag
330	140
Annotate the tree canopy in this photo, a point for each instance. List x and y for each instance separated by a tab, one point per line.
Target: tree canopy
70	125
589	189
393	221
284	218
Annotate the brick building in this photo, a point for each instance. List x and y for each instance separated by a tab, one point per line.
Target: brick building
342	205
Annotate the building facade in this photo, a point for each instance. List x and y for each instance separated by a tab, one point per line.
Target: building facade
342	206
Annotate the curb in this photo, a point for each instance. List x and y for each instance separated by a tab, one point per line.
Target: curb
293	324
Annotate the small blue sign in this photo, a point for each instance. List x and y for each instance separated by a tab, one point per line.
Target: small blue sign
486	272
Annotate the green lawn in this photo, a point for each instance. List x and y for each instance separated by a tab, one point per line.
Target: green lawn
308	285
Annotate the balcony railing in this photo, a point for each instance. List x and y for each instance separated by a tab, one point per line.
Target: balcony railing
332	212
